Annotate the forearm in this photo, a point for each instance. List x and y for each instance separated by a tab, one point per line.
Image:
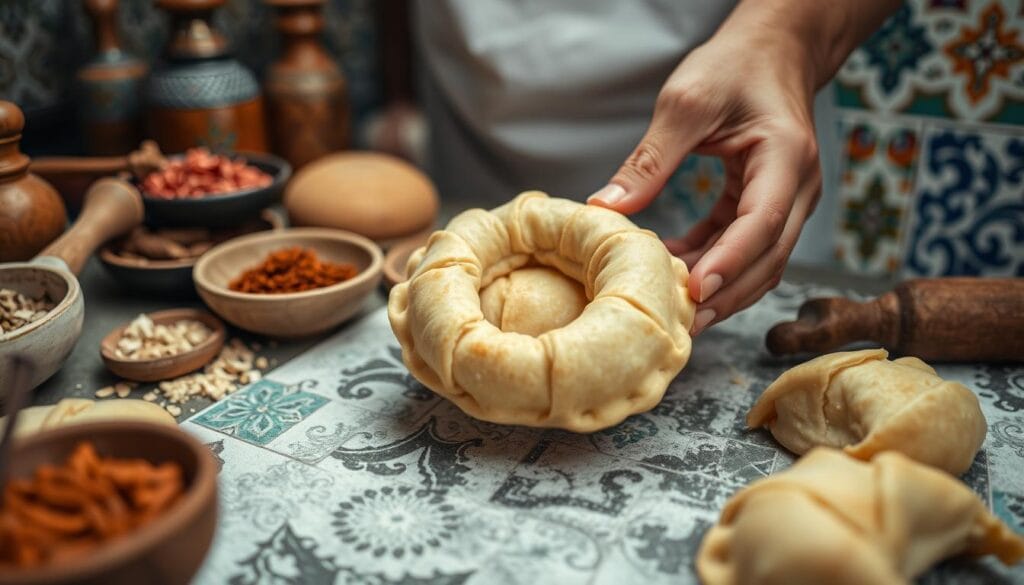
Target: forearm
822	32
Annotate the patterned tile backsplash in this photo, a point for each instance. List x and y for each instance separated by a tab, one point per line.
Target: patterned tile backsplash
931	112
931	115
336	470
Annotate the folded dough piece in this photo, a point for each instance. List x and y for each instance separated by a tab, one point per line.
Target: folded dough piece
834	519
71	411
473	324
866	404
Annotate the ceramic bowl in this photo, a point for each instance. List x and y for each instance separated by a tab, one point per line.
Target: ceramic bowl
168	550
166	278
169	367
48	341
223	209
291	314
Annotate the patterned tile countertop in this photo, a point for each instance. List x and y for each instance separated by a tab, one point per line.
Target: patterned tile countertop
339	468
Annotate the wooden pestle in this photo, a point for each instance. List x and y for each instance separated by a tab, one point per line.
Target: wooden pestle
139	163
939	319
112	207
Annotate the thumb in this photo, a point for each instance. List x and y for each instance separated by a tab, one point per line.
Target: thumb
674	131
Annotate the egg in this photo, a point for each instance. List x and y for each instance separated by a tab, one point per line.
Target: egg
376	195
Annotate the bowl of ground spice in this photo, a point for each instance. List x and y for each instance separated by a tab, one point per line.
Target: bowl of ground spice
289	283
107	503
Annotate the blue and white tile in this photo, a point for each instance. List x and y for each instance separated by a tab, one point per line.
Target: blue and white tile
968	214
361	366
875	193
261	412
658	545
448	451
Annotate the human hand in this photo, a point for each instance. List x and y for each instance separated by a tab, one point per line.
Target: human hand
748	100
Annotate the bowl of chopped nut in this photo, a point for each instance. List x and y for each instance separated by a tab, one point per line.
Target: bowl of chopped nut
289	283
201	188
163	345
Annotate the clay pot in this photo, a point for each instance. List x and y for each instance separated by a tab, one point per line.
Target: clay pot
307	96
199	95
32	213
109	86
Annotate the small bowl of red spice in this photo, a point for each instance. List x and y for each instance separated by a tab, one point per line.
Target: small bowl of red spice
289	283
107	503
204	188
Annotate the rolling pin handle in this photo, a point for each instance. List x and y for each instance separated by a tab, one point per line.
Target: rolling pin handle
826	324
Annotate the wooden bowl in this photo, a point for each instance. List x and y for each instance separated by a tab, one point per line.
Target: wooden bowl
168	550
398	257
222	209
168	278
290	314
168	367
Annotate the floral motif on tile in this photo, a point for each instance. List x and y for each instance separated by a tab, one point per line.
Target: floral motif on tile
986	54
969	208
396	521
697	184
897	48
878	171
260	413
974	70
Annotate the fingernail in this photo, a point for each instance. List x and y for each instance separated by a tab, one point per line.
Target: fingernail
608	195
701	320
710	286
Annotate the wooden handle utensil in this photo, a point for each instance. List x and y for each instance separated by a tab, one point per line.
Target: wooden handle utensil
112	208
939	319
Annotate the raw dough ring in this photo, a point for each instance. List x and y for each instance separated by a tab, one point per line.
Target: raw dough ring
615	359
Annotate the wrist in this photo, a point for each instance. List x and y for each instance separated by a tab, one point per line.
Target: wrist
816	35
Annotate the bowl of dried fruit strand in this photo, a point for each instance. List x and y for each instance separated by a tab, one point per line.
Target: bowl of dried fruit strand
289	283
163	345
204	189
107	503
158	261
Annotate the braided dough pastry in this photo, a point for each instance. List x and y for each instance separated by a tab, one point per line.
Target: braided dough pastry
867	404
833	519
504	357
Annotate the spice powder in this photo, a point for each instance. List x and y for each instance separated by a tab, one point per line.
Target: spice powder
292	270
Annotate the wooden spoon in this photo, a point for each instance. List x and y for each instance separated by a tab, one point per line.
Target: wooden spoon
169	367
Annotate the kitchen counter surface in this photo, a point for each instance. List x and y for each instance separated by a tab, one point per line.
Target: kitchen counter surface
338	467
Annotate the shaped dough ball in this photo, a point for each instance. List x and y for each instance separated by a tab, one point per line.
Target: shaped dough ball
833	519
532	301
544	312
866	404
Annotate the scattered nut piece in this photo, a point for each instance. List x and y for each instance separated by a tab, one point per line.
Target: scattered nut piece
144	340
235	366
262	363
18	310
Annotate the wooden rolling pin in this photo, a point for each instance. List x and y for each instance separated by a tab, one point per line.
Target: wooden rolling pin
938	319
